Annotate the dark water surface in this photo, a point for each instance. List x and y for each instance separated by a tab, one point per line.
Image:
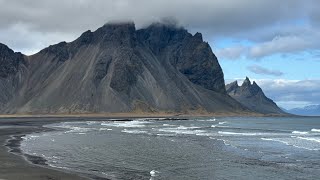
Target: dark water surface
203	148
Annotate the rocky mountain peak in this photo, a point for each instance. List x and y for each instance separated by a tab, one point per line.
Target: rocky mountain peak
9	61
252	96
246	82
255	86
198	36
123	28
119	69
232	87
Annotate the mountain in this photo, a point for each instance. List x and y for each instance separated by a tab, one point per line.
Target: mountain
252	97
160	68
312	110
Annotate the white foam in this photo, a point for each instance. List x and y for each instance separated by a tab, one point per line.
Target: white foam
79	130
243	134
34	136
127	124
225	142
213	126
181	131
222	126
213	119
165	135
276	140
221	123
105	129
168	125
61	167
154	173
315	130
30	137
205	134
292	143
188	127
310	139
92	122
299	132
134	131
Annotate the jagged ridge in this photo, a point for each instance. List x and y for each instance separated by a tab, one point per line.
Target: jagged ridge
252	97
120	69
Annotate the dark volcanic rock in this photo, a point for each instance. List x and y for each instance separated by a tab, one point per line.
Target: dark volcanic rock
59	51
120	69
252	97
101	68
187	53
126	71
9	61
12	74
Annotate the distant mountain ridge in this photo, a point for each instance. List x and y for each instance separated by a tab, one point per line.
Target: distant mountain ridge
311	110
252	97
161	68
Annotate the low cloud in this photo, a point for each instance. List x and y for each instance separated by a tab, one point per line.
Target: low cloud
41	19
264	71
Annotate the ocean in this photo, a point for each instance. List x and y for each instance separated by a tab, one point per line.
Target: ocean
198	148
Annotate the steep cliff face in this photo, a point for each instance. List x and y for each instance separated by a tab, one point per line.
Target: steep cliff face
252	97
12	74
189	54
120	69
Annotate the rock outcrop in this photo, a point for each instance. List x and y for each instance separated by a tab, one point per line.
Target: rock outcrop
252	97
13	72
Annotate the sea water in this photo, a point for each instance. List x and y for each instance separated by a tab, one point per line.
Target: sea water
198	148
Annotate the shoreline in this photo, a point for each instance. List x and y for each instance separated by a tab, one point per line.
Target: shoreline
15	163
143	115
14	145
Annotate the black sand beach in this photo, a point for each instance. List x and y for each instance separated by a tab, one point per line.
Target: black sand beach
14	164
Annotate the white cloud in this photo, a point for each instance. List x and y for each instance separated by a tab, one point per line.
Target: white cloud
307	40
231	52
278	44
261	70
302	92
284	44
289	93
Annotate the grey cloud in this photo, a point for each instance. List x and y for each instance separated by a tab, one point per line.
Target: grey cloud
224	16
261	70
215	18
287	92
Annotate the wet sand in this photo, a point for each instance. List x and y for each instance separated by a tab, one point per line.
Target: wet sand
16	166
13	165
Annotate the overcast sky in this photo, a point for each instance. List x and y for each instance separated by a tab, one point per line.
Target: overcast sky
277	43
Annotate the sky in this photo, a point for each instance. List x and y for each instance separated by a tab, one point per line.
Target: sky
275	43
